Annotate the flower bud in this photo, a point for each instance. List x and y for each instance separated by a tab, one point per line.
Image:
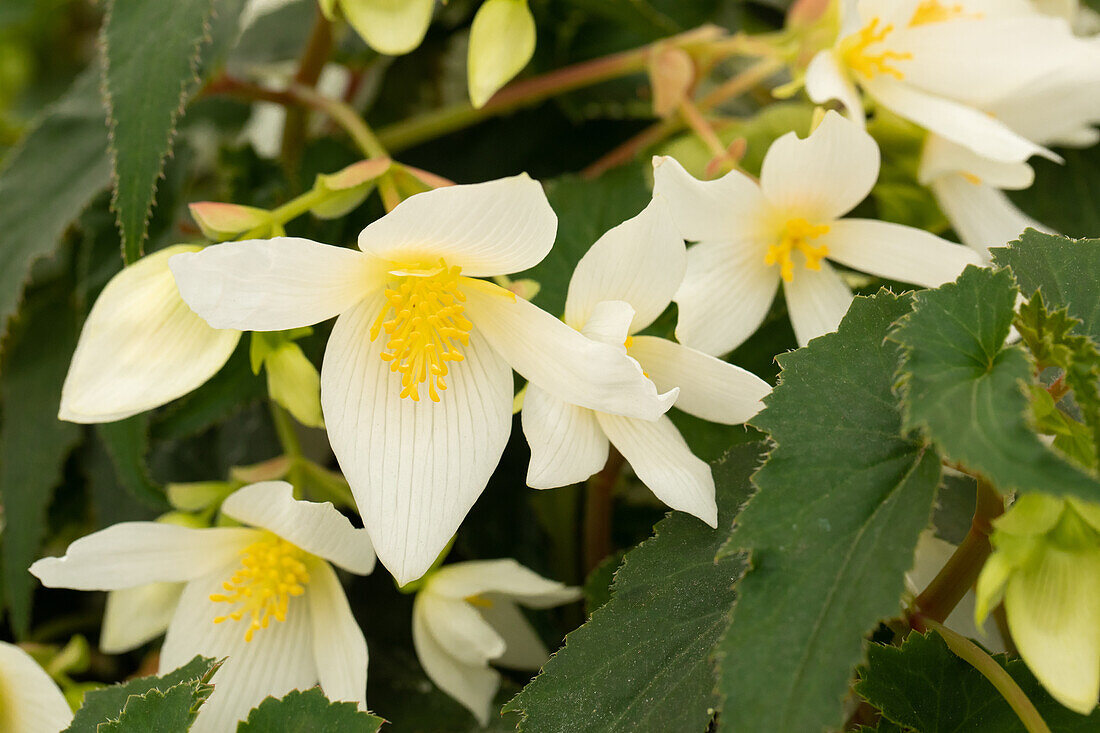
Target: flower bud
292	380
391	27
219	221
671	74
502	41
347	188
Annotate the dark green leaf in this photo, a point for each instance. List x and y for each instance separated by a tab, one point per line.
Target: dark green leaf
964	387
308	710
831	531
47	181
642	662
151	51
108	703
156	711
923	685
127	442
33	442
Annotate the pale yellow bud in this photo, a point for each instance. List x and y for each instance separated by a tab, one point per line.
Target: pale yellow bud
502	41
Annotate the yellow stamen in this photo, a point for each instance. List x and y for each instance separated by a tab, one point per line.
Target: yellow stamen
423	318
479	601
272	570
796	235
976	180
855	56
933	11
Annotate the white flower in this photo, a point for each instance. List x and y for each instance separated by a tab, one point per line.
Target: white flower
466	615
30	702
620	286
229	600
939	64
754	235
141	346
388	26
416	387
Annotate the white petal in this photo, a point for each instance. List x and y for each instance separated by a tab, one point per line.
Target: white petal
567	444
641	262
824	175
941	157
136	553
141	346
389	26
982	216
664	462
727	208
315	527
561	360
136	615
504	577
726	293
523	647
826	80
273	284
609	322
490	228
460	629
957	122
415	468
472	685
32	702
339	649
897	252
710	388
277	660
816	301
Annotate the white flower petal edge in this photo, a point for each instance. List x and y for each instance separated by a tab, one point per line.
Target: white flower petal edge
30	702
141	346
982	215
389	27
274	284
727	208
315	527
560	359
339	649
825	80
664	462
816	301
136	615
567	443
506	576
710	388
415	468
491	228
523	649
824	175
460	629
942	157
641	262
136	553
897	252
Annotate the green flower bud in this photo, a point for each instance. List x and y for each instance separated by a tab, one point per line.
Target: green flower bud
502	41
292	380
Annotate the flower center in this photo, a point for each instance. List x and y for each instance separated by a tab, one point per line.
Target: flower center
272	570
796	235
933	11
424	322
854	52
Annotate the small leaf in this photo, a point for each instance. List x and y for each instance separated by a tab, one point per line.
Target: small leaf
173	710
502	41
308	710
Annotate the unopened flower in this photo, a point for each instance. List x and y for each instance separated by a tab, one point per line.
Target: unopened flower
467	615
416	387
292	380
391	27
1045	569
141	346
290	632
30	702
752	236
502	41
620	286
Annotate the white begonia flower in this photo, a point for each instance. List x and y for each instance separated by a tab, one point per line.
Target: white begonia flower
752	236
141	346
467	615
414	323
391	27
620	286
939	64
30	702
238	581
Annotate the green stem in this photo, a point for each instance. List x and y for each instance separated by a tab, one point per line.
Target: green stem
316	53
342	114
597	512
292	447
995	673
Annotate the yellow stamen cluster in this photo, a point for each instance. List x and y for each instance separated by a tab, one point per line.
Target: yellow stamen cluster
795	237
855	56
479	600
933	11
423	318
272	570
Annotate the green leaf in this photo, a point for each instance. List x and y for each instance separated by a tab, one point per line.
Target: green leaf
169	711
963	386
308	710
108	703
33	442
831	531
923	685
47	181
151	51
642	662
127	442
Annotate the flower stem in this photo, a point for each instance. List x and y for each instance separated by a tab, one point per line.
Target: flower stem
995	673
597	511
316	53
292	447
